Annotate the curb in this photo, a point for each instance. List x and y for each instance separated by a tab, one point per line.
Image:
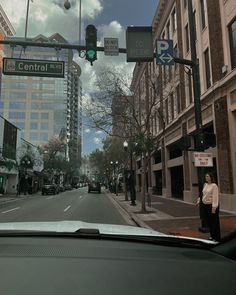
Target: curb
132	216
122	211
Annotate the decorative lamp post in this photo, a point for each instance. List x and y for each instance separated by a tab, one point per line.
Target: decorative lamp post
131	178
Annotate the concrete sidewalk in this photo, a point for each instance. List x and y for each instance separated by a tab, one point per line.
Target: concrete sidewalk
173	216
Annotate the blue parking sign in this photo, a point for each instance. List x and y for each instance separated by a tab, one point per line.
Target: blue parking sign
165	52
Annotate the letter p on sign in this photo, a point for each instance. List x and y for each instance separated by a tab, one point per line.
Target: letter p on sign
162	46
164	52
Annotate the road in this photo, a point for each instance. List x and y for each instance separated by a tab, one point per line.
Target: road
70	205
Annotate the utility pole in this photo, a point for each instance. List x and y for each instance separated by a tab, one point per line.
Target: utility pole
197	102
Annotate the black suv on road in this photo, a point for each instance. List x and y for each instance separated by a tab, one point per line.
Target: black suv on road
50	188
94	186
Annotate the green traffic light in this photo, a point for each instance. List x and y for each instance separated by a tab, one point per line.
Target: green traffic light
91	54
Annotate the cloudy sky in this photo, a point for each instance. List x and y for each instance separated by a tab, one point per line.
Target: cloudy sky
111	17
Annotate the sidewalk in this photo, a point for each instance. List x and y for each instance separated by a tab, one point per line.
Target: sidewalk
171	216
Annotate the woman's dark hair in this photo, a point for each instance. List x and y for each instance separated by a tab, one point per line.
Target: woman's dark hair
211	176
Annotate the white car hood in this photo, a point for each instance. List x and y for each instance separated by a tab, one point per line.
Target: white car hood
73	226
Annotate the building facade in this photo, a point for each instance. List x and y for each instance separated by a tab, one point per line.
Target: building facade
172	171
42	107
6	29
74	112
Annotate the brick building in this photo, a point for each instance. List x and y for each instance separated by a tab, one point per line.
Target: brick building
172	171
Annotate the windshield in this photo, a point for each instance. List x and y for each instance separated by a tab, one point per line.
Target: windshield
119	112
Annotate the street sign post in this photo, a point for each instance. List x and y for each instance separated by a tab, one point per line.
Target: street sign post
33	67
139	43
165	52
111	46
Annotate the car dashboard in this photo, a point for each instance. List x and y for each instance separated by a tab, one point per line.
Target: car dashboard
66	265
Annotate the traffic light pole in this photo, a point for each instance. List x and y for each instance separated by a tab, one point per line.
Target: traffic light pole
14	43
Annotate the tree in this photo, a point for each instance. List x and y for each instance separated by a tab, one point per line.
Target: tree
114	111
121	112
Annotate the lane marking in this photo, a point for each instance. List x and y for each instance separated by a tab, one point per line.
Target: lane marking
49	198
81	197
10	210
67	208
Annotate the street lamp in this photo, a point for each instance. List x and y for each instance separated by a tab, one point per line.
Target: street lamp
115	175
131	178
25	163
67	6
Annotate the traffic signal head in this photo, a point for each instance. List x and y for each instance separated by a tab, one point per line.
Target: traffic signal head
91	43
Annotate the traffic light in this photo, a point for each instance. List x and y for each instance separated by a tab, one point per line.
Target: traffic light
91	43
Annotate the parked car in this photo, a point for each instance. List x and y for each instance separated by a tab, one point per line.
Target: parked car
50	188
94	186
68	187
62	188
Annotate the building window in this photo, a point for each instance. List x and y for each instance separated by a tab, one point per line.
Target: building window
17	95
44	136
187	38
19	85
194	25
167	111
168	30
33	125
36	86
44	126
178	103
176	55
172	106
34	136
174	20
190	93
17	105
207	68
16	115
48	86
1	104
232	41
203	13
34	116
44	116
36	105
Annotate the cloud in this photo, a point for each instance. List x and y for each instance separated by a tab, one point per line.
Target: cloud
48	17
87	130
89	73
97	140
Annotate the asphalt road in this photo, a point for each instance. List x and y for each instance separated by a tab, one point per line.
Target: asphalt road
70	205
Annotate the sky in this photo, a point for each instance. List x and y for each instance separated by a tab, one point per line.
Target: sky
111	17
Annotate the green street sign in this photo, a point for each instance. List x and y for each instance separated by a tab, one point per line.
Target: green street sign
33	67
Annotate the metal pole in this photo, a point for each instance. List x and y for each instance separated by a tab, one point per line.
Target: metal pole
197	102
26	21
132	186
80	22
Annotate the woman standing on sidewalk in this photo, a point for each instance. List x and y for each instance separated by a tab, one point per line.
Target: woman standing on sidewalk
210	199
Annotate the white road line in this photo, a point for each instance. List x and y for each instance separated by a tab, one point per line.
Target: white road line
49	198
10	210
81	197
67	208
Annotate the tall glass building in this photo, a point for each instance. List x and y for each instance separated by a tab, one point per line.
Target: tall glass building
44	107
